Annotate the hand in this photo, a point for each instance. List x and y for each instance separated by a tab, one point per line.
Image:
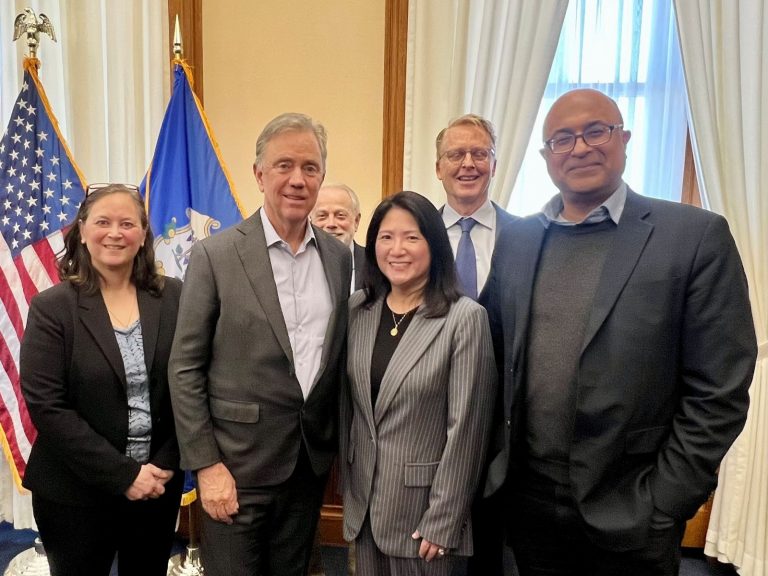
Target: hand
150	483
427	550
218	493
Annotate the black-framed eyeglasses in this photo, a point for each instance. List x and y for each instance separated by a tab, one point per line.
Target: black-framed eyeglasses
596	135
478	154
91	188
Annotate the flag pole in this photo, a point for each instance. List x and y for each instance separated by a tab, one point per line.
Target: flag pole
32	560
191	565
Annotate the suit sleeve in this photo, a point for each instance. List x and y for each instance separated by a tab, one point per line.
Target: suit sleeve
718	352
187	367
471	389
167	454
44	367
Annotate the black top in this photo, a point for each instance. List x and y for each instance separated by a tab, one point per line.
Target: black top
385	345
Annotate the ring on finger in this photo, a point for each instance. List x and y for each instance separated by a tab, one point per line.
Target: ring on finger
441	551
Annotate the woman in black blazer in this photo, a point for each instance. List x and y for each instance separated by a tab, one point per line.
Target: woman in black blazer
103	470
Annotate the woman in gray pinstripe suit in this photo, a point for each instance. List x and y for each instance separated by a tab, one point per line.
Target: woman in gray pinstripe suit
417	409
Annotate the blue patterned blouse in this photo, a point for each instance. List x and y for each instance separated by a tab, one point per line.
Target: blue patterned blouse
131	345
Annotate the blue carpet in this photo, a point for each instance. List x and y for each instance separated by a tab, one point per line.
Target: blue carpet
12	542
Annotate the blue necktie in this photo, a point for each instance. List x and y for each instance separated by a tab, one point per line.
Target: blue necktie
466	264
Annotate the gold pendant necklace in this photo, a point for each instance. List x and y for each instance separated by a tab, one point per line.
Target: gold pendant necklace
397	323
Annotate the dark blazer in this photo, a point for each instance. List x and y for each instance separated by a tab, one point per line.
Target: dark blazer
235	394
414	461
358	253
666	362
74	383
503	218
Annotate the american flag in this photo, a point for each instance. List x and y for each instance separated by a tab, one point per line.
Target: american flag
40	192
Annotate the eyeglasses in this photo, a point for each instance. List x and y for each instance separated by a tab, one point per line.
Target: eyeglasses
458	155
564	142
91	188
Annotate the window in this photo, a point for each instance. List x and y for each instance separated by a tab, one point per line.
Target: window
628	49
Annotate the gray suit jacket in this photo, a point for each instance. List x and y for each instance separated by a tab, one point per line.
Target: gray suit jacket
235	395
415	460
666	362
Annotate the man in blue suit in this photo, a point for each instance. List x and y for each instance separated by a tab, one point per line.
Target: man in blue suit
624	335
465	164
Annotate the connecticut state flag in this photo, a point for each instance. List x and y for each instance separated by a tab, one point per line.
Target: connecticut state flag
188	190
41	189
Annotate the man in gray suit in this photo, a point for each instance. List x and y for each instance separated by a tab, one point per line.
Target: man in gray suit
337	211
466	162
255	366
623	331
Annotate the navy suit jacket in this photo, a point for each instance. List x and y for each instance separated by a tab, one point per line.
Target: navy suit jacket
666	362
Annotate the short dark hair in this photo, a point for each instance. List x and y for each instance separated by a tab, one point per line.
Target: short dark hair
442	288
75	262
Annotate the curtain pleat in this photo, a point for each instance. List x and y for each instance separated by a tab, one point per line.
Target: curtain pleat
723	46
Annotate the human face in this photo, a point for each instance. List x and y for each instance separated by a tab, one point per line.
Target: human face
466	183
289	176
587	175
402	252
335	214
112	232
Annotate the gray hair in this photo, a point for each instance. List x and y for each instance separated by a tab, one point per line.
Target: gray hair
467	120
288	122
348	190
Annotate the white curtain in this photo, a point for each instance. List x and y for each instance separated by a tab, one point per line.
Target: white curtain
629	50
490	57
108	80
723	45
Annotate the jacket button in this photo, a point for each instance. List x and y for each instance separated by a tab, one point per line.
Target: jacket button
508	422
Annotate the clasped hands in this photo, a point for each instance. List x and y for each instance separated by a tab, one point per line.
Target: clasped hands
150	483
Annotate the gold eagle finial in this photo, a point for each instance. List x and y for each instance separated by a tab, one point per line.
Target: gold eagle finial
28	22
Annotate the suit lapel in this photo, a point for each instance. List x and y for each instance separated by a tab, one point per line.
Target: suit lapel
530	241
417	338
631	237
252	249
149	312
332	268
362	337
95	318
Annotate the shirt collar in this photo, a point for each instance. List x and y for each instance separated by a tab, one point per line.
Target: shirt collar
274	238
613	205
483	215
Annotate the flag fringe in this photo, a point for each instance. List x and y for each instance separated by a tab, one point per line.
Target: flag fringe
11	462
31	65
211	138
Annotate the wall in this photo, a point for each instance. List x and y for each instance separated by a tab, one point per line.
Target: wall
322	58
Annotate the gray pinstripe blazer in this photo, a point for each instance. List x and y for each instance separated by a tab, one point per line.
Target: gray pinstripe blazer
414	462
